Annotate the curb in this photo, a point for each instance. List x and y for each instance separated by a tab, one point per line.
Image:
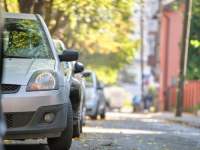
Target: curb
184	122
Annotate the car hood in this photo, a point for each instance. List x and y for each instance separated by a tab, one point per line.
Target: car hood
19	71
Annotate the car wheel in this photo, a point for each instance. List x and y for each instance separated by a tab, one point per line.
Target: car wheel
77	130
81	126
64	141
103	114
96	114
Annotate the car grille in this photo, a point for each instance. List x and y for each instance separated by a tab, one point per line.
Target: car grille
17	120
9	88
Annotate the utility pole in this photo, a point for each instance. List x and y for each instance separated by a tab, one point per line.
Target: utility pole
142	52
157	53
183	60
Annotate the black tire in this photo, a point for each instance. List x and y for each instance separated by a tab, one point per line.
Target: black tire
96	113
81	126
64	141
77	130
103	114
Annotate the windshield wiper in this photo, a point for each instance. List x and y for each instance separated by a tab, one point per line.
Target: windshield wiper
12	56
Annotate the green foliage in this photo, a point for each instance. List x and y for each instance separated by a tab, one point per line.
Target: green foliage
13	6
193	65
101	32
175	5
195	43
197	107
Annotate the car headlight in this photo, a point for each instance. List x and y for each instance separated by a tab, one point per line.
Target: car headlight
43	80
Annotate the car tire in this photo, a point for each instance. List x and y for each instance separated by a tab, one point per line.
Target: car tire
103	114
96	114
64	141
81	126
77	130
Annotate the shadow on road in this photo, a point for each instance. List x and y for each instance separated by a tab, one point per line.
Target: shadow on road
26	147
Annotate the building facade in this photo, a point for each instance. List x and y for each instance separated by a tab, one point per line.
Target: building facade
171	37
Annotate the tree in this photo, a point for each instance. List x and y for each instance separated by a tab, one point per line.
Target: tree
101	31
193	65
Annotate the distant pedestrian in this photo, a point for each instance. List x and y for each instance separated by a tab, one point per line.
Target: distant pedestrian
148	101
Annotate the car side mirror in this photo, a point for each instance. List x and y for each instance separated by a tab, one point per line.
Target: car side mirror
86	73
79	67
68	55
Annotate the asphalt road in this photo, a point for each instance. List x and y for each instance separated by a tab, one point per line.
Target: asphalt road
125	131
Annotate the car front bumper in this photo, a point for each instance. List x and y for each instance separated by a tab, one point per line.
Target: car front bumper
23	101
37	127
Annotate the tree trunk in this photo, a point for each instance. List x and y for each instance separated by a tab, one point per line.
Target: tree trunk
58	17
5	6
39	7
48	12
26	6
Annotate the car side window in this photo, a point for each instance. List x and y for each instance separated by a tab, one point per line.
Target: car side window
59	49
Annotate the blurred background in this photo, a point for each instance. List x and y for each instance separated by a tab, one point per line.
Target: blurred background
122	42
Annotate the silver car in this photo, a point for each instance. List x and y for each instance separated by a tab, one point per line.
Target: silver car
77	89
2	121
35	88
95	99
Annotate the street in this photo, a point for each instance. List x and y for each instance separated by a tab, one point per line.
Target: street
126	131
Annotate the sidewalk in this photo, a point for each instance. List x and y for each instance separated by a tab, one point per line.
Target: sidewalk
187	119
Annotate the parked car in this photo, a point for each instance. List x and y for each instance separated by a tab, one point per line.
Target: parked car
35	92
77	89
95	99
2	121
115	97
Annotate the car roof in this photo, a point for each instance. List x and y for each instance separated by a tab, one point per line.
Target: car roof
20	16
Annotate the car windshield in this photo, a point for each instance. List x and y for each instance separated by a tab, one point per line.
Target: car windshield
25	38
88	81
